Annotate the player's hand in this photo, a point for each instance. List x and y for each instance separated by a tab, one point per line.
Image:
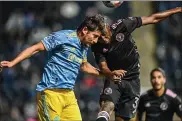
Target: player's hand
6	64
117	75
120	73
180	9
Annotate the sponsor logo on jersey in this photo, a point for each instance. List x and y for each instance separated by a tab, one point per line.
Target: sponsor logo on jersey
108	91
147	104
120	37
114	26
164	106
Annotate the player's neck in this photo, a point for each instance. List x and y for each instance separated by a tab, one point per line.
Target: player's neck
160	92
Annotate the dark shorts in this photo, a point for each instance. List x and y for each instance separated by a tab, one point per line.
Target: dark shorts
125	96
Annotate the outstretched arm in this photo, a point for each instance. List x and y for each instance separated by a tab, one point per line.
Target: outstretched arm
104	71
157	17
24	55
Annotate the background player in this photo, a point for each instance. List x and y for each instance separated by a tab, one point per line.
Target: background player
66	52
159	103
122	53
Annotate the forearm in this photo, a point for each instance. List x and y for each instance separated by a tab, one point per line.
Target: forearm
157	17
164	14
88	68
106	72
24	55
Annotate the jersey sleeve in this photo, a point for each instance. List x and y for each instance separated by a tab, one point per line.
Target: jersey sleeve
127	25
178	106
140	109
54	40
132	23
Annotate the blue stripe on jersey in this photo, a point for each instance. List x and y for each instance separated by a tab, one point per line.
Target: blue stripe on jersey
64	57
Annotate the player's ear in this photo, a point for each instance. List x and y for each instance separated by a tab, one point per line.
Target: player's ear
85	30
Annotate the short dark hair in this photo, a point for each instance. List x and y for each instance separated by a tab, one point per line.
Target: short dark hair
94	23
157	69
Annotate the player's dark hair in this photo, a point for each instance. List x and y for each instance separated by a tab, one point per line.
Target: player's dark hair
94	23
157	69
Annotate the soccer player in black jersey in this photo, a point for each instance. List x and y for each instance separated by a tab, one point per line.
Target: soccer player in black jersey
159	103
120	52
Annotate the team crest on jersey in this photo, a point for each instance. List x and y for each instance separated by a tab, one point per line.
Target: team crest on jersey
120	37
147	105
164	106
108	91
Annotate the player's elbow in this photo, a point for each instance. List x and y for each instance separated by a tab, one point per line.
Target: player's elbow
156	18
85	67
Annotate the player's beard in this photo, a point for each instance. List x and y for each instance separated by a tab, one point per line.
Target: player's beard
157	88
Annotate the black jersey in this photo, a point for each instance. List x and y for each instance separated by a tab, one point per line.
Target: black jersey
122	52
159	108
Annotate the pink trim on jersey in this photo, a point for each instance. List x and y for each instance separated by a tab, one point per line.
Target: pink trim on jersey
171	93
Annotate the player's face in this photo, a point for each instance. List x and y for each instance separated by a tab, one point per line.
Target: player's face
158	80
107	37
90	37
104	39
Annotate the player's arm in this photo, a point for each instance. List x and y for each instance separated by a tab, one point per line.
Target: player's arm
116	74
104	70
178	106
24	55
157	17
88	68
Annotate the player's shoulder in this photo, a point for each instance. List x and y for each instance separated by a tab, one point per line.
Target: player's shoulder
170	93
66	33
146	93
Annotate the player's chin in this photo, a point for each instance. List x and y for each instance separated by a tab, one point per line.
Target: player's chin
157	88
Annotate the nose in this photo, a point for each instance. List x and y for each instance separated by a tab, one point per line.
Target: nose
157	81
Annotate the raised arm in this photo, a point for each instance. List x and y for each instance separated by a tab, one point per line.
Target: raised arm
24	55
157	17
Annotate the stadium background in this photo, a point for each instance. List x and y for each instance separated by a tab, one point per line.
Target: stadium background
25	23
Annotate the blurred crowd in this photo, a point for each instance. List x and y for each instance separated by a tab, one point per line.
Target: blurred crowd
169	45
25	23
